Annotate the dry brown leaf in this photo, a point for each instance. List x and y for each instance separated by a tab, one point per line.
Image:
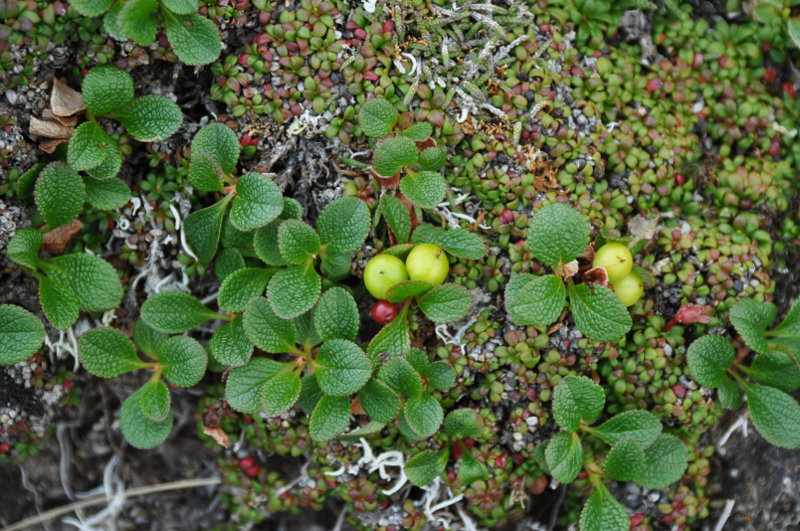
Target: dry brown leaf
70	121
49	129
218	435
51	145
566	271
56	240
64	100
597	276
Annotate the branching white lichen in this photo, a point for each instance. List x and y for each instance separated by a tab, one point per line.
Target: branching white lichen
372	463
114	489
741	423
433	492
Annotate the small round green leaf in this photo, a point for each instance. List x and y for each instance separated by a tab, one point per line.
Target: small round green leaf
665	462
294	290
445	303
425	189
245	384
419	132
138	430
148	340
194	39
265	244
27	181
625	461
280	392
23	247
432	159
150	118
335	266
91	8
181	7
377	117
776	369
184	361
397	216
203	229
107	353
241	286
59	194
204	173
558	234
219	142
336	315
463	423
603	512
393	154
440	375
342	368
106	88
228	261
393	340
154	400
229	345
258	201
106	194
577	398
471	469
173	312
426	466
344	225
539	301
775	414
93	280
88	146
21	334
330	418
751	319
136	19
458	242
380	402
297	241
708	358
59	303
310	393
401	377
406	289
641	425
599	313
564	456
266	330
423	414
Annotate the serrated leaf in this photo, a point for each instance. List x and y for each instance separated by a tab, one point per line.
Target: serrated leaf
558	234
154	400
793	30
341	367
21	334
423	414
463	423
173	312
106	88
234	237
23	247
396	214
407	288
371	428
205	174
440	375
280	392
471	469
445	303
266	330
297	241
400	250
149	341
458	242
564	457
708	357
789	328
107	353
602	512
665	462
775	414
377	117
751	319
265	244
393	340
577	399
294	290
243	390
306	333
426	466
27	181
330	418
111	164
432	159
730	394
775	369
258	201
94	281
230	345
181	7
537	301
343	225
228	261
336	315
140	431
310	393
599	313
638	424
401	378
194	39
425	189
203	229
184	361
59	303
106	194
59	194
137	21
110	25
419	132
418	359
150	118
335	266
407	433
220	143
91	8
625	460
380	402
393	154
241	286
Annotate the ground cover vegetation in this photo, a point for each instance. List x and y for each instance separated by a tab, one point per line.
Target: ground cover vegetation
409	264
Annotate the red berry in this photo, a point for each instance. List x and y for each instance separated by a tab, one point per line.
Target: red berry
654	84
384	312
507	217
770	74
4	448
679	179
775	147
788	88
679	390
252	471
637	519
247	462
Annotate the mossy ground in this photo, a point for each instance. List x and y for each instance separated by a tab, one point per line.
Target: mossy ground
679	125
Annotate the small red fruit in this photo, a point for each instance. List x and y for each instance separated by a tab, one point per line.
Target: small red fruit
507	217
252	471
384	312
654	84
679	179
770	74
4	448
247	462
788	89
637	519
